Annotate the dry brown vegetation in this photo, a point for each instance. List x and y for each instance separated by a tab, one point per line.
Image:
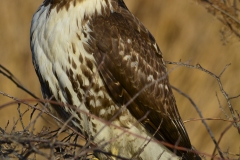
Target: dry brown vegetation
194	31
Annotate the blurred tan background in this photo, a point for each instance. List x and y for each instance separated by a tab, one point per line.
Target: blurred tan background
183	29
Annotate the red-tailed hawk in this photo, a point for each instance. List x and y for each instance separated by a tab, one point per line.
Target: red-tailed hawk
97	56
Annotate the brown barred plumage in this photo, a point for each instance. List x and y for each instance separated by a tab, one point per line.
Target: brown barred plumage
95	55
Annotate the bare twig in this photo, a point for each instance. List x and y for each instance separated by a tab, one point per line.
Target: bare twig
24	101
218	78
207	119
220	138
11	77
203	120
220	106
150	139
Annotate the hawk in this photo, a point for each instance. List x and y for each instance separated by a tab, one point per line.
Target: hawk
97	56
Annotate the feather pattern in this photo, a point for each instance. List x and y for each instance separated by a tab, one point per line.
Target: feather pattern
97	56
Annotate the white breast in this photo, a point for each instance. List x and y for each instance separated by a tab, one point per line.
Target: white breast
57	43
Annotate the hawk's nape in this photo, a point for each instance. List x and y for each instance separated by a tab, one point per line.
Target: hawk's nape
97	56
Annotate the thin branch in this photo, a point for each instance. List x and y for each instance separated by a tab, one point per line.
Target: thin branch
208	119
218	78
24	101
220	138
4	71
220	106
203	120
234	97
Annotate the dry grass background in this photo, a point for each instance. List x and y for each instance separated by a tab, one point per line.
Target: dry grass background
183	29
